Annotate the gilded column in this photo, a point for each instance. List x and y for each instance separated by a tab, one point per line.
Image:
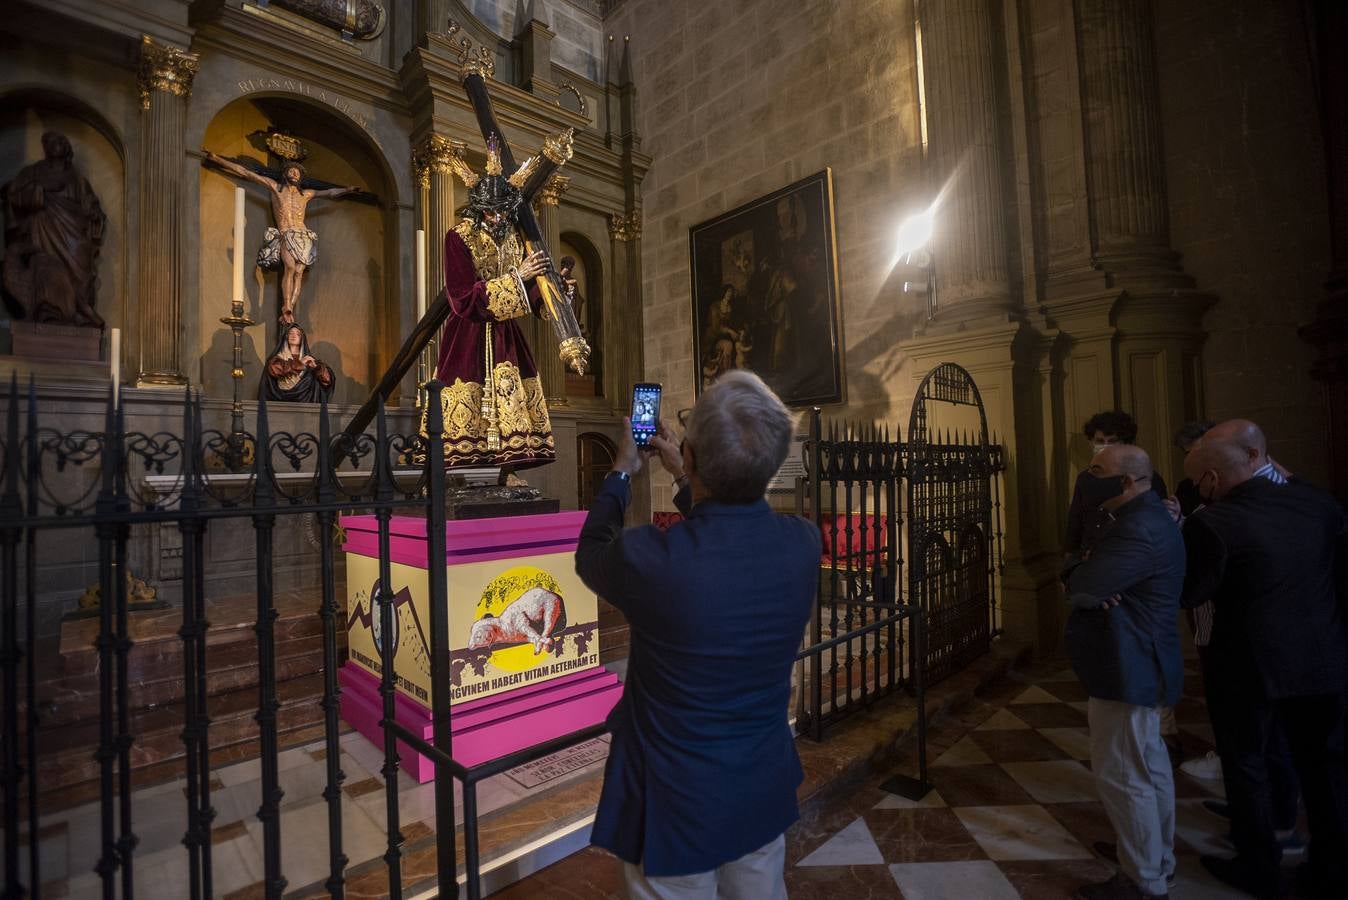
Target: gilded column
964	128
435	161
1125	168
551	371
165	80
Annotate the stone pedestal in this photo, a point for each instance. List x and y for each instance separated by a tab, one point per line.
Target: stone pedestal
60	342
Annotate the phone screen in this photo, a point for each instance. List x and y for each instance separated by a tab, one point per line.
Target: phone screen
645	412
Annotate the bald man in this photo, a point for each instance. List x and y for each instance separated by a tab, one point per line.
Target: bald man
1263	554
1123	644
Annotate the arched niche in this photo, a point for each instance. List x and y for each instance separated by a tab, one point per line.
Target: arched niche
349	303
589	274
26	113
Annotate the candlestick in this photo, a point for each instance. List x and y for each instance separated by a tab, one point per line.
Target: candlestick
115	353
238	245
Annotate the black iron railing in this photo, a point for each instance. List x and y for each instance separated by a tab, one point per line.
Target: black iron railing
46	489
937	497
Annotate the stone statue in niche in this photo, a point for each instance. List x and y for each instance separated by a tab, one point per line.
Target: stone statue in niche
292	374
54	228
289	245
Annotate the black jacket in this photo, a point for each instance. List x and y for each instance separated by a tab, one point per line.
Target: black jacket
1264	555
1130	652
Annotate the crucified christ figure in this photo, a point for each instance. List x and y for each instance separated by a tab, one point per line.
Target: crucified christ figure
288	246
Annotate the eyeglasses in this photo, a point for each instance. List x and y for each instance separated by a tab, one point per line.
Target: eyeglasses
682	416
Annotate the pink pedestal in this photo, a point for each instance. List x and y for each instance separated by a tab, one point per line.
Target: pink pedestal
484	729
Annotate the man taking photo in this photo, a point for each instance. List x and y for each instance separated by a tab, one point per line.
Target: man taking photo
702	772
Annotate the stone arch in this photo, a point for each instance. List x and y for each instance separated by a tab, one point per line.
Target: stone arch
578	244
350	304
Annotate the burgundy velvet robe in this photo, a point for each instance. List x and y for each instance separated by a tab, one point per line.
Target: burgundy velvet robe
525	431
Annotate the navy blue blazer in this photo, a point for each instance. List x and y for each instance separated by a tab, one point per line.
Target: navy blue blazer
702	766
1130	652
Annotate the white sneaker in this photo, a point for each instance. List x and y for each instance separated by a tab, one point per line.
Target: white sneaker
1208	768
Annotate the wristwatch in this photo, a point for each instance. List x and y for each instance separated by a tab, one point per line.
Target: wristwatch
681	482
622	476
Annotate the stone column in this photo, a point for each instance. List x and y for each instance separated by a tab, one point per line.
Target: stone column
432	16
964	149
622	315
165	80
551	372
1329	331
1125	168
435	160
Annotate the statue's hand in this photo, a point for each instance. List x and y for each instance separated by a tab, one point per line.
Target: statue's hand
309	362
534	264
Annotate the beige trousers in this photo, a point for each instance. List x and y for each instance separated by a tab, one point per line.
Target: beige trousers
755	876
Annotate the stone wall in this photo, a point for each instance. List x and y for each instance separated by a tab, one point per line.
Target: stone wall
1248	207
578	45
738	100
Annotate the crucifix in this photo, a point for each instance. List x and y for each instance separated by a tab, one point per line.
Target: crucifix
289	245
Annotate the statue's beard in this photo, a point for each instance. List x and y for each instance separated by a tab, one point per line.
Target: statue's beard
498	231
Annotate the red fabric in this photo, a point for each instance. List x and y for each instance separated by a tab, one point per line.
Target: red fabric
875	534
665	520
461	347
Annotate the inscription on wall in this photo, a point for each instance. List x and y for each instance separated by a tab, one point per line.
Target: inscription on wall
336	101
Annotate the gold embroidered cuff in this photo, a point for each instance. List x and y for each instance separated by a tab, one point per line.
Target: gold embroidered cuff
506	298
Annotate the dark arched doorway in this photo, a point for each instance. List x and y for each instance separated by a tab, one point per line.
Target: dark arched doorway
594	458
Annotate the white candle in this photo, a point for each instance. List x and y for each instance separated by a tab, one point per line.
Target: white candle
238	245
421	274
115	353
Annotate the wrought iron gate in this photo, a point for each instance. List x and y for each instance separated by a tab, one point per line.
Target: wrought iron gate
954	505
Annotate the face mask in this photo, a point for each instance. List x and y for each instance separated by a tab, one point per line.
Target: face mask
1210	497
1097	490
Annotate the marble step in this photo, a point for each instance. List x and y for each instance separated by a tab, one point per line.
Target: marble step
68	754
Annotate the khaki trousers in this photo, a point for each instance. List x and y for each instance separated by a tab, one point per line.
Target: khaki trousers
755	876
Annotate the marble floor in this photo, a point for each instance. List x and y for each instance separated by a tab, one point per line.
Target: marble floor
1014	813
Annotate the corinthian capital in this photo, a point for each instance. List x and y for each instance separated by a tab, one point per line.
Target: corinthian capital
551	192
625	227
164	67
440	154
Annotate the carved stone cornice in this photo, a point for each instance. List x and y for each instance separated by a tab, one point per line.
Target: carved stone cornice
164	67
625	227
442	155
551	192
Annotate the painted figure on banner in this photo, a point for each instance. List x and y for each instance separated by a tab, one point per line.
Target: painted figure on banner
54	228
288	245
292	374
494	410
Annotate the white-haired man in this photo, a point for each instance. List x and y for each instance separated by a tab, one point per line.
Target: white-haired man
702	770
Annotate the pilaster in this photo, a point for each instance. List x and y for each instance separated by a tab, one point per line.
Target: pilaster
551	371
165	81
965	158
623	312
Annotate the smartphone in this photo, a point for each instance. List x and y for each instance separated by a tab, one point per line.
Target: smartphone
645	412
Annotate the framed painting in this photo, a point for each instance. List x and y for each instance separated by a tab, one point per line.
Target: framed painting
765	293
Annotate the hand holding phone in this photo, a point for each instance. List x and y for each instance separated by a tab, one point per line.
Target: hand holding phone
645	412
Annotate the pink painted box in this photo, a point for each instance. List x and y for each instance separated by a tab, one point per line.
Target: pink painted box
524	634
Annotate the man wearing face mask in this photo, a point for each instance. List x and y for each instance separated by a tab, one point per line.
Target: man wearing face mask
1123	645
1263	554
1084	517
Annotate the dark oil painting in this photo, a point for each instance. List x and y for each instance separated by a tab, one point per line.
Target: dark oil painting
765	293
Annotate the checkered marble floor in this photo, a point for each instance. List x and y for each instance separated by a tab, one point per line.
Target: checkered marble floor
1013	814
